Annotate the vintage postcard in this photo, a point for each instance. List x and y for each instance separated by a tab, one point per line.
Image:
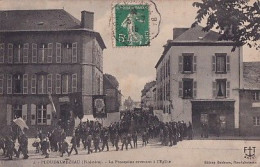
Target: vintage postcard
156	83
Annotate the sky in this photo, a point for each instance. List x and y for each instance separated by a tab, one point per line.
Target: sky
132	66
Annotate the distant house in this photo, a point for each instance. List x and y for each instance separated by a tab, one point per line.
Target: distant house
148	96
113	95
250	100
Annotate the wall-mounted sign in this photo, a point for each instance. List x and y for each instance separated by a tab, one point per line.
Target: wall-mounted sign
99	109
64	99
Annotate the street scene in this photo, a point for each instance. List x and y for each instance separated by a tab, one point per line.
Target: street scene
129	83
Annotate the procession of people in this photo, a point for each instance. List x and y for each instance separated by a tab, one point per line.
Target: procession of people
91	136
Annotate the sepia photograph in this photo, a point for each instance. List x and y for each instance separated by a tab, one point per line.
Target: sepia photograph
145	83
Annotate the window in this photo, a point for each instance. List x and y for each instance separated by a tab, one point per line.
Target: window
221	63
17	83
2	52
221	87
41	84
18	50
17	111
34	53
25	52
74	52
41	114
187	88
58	83
65	84
256	96
33	84
10	53
67	53
58	52
1	83
256	121
74	82
187	63
42	53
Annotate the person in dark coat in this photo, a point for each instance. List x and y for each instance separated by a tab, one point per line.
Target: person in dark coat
23	141
89	139
116	141
96	143
74	144
10	148
45	147
144	138
134	136
129	140
64	148
190	131
2	145
105	141
123	140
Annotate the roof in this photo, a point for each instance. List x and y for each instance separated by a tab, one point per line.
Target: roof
42	20
54	19
193	37
251	75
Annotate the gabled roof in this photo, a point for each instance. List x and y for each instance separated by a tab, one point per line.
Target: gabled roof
54	19
251	75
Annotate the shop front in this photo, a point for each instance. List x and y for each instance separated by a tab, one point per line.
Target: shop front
217	115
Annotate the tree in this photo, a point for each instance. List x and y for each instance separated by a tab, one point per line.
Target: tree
236	20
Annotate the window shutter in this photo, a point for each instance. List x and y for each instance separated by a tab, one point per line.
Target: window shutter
194	63
1	83
33	84
49	109
74	82
227	89
10	53
58	52
214	88
49	83
8	114
25	84
49	57
24	112
194	89
9	84
214	63
58	84
25	52
34	53
180	89
33	114
2	52
228	64
74	52
180	64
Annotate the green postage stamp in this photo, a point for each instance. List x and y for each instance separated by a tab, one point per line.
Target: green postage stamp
132	25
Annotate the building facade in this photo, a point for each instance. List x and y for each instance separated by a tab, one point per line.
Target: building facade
250	100
48	53
198	78
113	96
147	98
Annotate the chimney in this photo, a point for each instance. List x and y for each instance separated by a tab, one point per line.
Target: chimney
87	20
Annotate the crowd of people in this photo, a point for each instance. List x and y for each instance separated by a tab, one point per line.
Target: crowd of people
93	137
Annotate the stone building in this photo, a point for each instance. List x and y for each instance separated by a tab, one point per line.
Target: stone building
48	52
198	80
250	100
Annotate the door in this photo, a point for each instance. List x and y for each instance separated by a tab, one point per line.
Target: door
64	116
212	123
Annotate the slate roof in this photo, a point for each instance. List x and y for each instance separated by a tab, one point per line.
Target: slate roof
54	19
196	34
193	36
251	75
41	20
